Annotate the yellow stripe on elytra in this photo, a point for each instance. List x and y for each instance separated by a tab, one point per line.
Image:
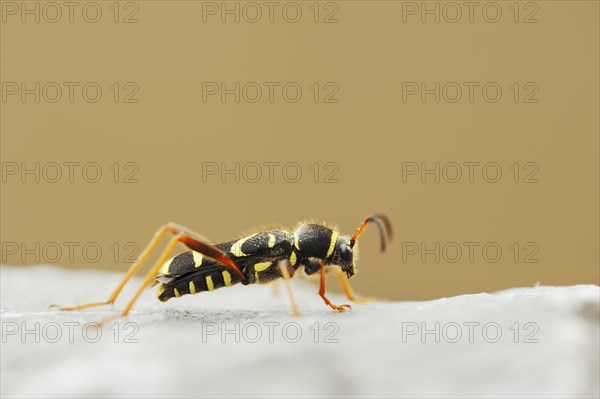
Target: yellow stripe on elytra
259	267
165	268
296	239
197	258
209	283
192	287
271	240
334	237
226	278
236	248
293	258
160	290
177	294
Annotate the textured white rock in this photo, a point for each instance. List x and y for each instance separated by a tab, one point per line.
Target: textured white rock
175	355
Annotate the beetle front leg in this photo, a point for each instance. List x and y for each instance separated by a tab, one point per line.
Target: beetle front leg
316	265
348	289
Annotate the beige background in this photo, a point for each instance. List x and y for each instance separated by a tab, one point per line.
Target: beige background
370	133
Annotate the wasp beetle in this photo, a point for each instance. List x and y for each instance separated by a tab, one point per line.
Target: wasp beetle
256	259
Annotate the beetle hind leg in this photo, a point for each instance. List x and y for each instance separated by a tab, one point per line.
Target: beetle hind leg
160	233
187	238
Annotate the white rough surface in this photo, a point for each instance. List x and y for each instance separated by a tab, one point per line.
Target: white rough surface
371	359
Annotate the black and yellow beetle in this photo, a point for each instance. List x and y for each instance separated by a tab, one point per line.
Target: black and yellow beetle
259	258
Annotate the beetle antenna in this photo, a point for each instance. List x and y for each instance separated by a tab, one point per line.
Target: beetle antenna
383	226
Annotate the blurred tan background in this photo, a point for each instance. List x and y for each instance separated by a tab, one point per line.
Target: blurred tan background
387	92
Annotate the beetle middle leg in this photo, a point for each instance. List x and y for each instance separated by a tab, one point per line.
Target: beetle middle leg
285	273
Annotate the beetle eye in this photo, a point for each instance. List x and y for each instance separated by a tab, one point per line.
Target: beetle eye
346	252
